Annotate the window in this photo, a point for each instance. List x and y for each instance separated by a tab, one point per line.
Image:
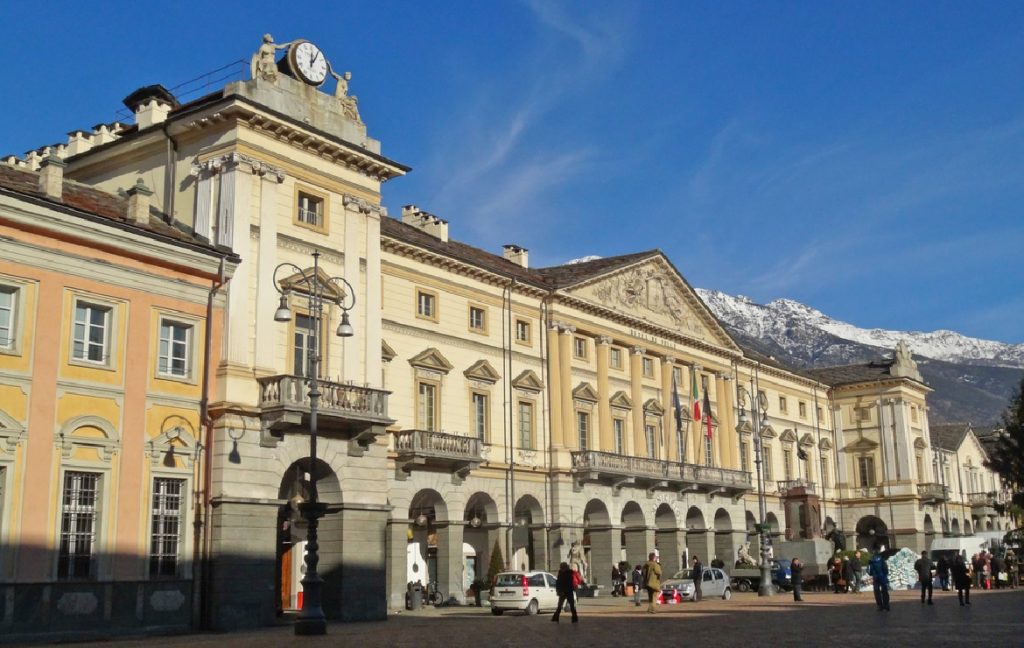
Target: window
8	299
426	407
866	471
766	463
165	535
826	481
913	408
579	348
615	358
78	516
649	432
619	432
680	447
175	349
802	409
477	319
709	456
92	332
480	415
311	210
522	331
526	425
787	464
426	305
744	456
648	366
919	460
861	414
305	338
782	404
583	429
818	410
677	375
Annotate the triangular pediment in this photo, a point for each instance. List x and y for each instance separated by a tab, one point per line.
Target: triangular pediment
300	282
767	432
585	392
807	439
431	359
860	445
621	400
825	444
529	381
788	436
653	407
482	371
653	290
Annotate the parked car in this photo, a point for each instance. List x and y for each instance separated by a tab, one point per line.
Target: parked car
679	588
526	591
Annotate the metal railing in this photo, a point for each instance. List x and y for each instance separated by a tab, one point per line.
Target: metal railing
337	399
786	485
437	444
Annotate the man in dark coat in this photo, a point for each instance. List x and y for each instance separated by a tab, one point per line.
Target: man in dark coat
923	566
962	580
797	569
942	571
857	568
698	578
566	592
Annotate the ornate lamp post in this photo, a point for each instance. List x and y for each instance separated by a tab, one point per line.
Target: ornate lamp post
760	416
312	620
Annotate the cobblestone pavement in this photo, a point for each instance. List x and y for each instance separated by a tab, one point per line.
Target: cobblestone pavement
823	619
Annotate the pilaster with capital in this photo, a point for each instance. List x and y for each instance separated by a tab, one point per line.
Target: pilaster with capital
370	312
636	393
604	409
668	422
555	385
565	378
842	470
266	293
726	438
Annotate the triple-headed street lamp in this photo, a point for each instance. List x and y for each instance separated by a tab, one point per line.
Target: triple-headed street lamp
311	620
759	413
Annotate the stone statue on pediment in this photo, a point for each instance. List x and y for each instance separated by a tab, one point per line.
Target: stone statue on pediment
263	64
349	103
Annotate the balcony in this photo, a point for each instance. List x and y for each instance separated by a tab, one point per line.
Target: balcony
796	487
436	450
983	503
359	414
654	474
932	493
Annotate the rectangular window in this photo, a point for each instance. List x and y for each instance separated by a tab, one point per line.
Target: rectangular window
680	447
175	349
677	375
92	329
709	452
802	409
619	432
311	210
526	425
866	471
78	517
305	339
427	406
919	460
648	366
165	532
766	463
787	464
426	305
480	415
782	404
477	319
745	456
826	481
579	348
615	358
913	408
818	410
8	300
861	414
649	437
522	331
583	429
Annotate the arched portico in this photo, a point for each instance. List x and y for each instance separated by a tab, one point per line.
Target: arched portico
668	538
726	538
528	542
872	533
636	539
600	543
697	535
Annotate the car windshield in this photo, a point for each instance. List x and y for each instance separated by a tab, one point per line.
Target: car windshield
509	580
685	574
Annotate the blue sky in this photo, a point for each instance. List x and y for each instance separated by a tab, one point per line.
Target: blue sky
864	158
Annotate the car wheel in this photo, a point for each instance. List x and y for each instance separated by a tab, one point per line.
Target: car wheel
743	586
727	594
497	611
531	609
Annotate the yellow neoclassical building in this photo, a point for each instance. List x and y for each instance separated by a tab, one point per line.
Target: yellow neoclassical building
465	398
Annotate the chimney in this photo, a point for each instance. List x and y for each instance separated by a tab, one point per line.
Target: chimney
151	112
150	104
103	134
517	255
425	222
51	177
138	203
78	142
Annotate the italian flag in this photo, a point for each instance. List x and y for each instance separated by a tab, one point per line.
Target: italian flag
694	394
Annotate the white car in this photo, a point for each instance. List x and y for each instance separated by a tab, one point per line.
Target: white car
679	588
529	592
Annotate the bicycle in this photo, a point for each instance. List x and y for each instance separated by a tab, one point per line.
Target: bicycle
434	596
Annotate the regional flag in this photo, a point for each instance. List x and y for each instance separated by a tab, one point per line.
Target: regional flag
707	410
677	406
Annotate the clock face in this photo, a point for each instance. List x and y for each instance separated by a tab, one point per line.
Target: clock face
310	63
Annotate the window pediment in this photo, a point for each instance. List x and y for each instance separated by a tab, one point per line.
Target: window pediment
825	444
807	440
861	445
585	392
654	408
788	436
482	371
433	360
621	400
297	282
529	381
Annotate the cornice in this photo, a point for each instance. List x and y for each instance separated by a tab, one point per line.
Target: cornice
234	159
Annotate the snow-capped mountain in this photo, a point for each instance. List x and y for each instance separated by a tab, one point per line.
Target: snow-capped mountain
973	379
773	319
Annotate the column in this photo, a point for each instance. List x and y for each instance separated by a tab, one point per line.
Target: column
726	425
900	429
670	549
233	231
842	470
885	438
267	329
353	243
636	372
565	381
397	562
604	409
639	543
372	300
540	547
555	386
668	422
449	561
697	545
604	551
204	198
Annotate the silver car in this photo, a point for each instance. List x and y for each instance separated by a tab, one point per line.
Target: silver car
679	588
527	591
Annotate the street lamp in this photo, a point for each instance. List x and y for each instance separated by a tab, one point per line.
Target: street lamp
311	620
760	416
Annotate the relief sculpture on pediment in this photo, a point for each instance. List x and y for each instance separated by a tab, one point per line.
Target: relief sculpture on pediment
652	290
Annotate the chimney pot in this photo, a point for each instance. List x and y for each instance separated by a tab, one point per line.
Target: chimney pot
51	177
516	254
138	203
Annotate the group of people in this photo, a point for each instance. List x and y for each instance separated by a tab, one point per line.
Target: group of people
845	575
993	571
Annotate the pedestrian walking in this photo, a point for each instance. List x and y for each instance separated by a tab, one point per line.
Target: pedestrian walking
962	580
857	567
616	580
1011	569
566	592
998	571
652	580
638	584
796	567
942	571
878	570
847	574
923	566
698	578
